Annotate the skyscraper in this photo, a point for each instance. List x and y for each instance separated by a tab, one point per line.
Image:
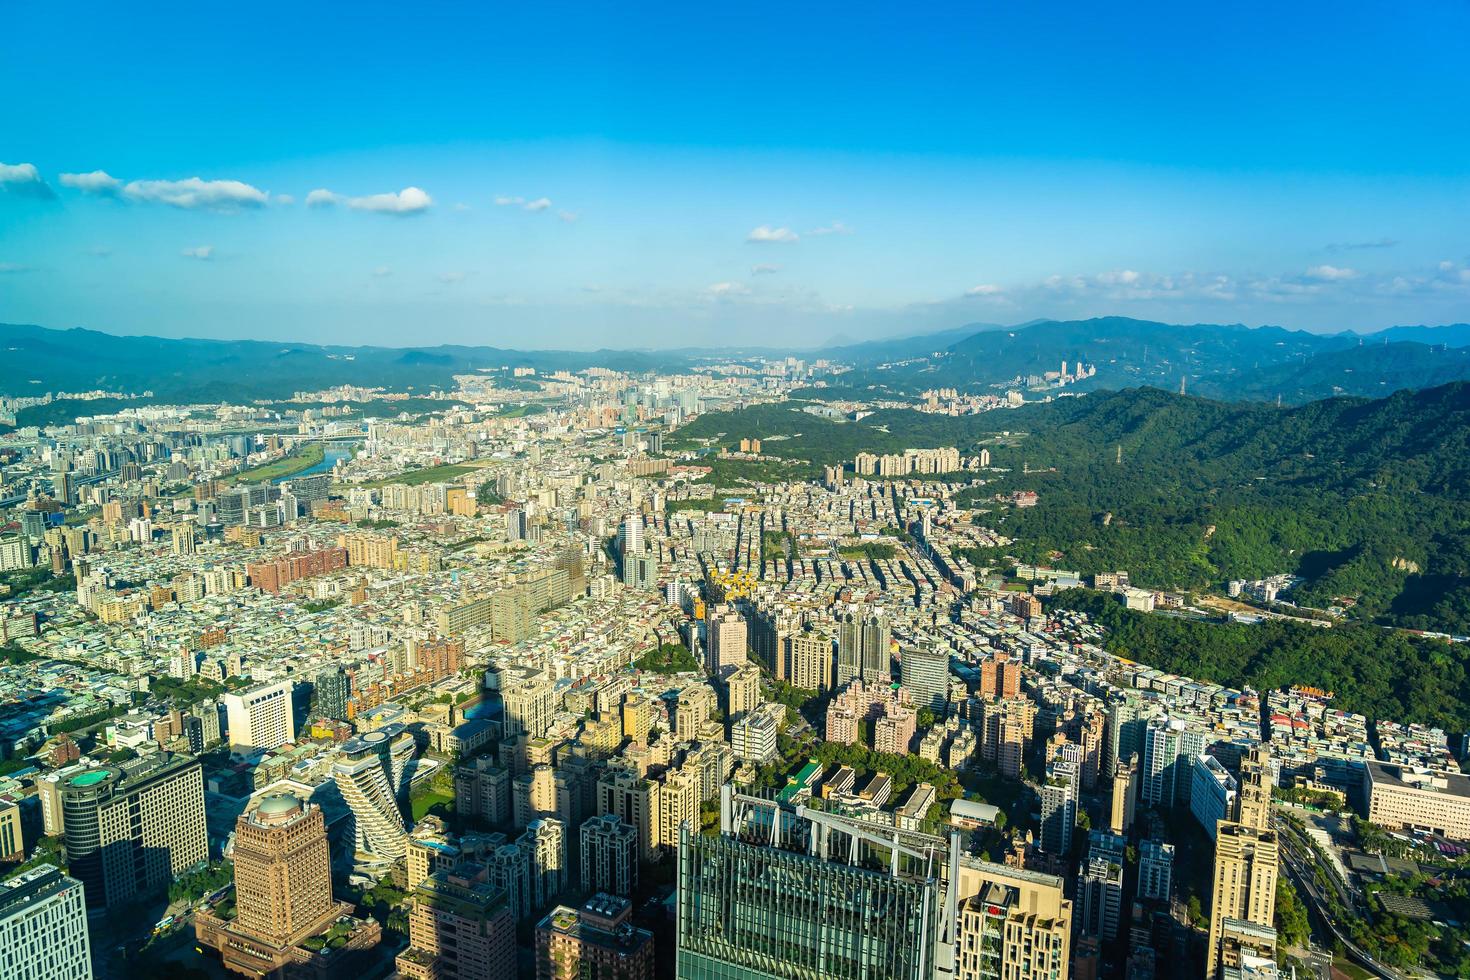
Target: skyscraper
1100	886
283	887
1245	885
609	855
459	925
1170	746
752	911
1059	806
261	718
862	648
1253	798
630	547
1013	923
1125	779
727	640
596	940
43	927
132	829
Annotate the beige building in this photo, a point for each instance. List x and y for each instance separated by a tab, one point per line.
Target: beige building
460	926
1405	798
1125	792
808	659
726	642
283	891
1013	923
1246	867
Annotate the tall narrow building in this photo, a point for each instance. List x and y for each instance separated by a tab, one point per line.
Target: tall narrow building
1245	886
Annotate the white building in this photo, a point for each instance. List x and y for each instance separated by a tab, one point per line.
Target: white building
43	927
261	718
1212	797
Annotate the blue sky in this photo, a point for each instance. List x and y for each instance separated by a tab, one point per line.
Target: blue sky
657	175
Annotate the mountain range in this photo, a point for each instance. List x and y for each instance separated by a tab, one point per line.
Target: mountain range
1226	361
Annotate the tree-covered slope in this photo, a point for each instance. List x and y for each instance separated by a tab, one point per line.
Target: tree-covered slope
1369	500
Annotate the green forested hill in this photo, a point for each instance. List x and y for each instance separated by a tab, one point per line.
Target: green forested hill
1370	500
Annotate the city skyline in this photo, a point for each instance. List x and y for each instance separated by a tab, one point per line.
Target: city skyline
703	179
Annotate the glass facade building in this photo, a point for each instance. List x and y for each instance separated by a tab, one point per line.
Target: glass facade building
754	912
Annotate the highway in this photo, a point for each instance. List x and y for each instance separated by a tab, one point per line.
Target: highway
1300	870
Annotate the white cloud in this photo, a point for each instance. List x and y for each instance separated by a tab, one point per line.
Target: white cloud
285	200
729	289
568	216
764	269
835	228
410	200
765	234
382	272
196	194
988	289
95	182
1331	273
24	180
534	205
201	252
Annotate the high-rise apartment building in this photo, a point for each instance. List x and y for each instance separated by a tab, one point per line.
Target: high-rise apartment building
596	940
863	648
1013	923
132	829
262	717
1059	806
1100	886
609	855
1125	783
460	926
726	642
1253	794
1246	869
742	684
369	775
1000	677
43	927
333	688
1170	746
634	800
808	660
